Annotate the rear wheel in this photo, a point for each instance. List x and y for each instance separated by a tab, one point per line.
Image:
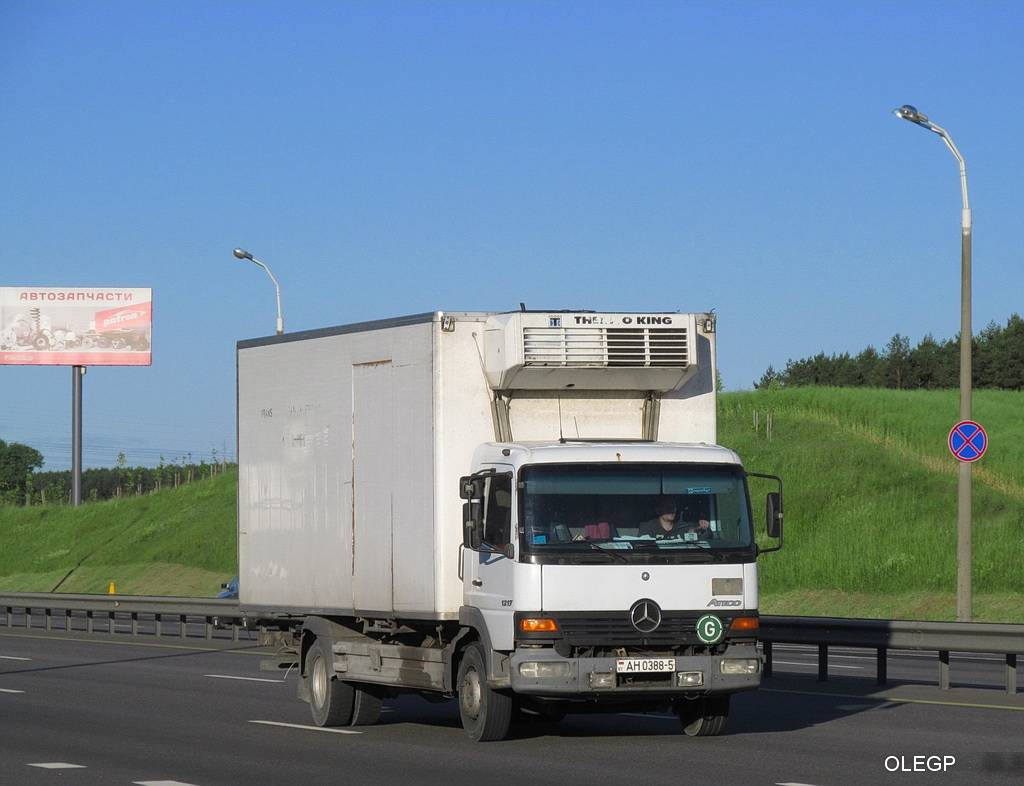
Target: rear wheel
704	717
330	700
486	714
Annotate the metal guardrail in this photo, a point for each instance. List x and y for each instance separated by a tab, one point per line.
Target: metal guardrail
884	635
191	617
130	614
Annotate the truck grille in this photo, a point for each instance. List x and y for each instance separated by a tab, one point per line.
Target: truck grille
614	629
606	347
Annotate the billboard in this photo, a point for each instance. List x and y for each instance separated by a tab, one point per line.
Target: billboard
76	326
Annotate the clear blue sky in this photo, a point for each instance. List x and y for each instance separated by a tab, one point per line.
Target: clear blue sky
390	158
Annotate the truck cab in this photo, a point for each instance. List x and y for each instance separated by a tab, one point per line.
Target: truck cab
592	595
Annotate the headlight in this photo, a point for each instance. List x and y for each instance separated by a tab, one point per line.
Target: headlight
741	666
540	670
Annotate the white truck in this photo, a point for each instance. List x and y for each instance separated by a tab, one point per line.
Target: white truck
526	511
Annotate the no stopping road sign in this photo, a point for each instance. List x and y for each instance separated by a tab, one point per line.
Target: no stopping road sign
968	441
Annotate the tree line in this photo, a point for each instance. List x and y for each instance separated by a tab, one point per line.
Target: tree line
997	352
22	484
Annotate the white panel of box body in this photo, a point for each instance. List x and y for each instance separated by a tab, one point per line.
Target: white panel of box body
351	446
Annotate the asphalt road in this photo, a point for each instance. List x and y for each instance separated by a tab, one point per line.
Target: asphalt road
93	709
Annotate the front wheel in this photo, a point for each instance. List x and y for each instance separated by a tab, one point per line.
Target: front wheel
330	700
486	714
704	717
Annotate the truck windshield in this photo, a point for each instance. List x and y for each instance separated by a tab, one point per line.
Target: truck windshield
634	511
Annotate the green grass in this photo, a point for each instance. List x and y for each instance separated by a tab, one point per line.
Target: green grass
870	493
175	542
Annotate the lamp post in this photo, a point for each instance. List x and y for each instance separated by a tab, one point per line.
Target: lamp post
963	570
241	253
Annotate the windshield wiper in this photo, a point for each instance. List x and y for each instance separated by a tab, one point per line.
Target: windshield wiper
610	552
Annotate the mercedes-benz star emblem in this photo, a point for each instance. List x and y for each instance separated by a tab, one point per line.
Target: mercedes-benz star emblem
645	615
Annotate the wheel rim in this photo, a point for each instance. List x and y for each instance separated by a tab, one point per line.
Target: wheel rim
319	680
470	693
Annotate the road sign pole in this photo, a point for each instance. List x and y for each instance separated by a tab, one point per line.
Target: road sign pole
964	578
964	552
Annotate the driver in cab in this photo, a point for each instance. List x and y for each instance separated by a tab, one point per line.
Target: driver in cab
666	523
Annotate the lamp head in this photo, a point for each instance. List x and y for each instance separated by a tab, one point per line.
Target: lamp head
241	253
908	112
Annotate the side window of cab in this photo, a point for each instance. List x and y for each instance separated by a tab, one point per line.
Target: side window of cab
498	511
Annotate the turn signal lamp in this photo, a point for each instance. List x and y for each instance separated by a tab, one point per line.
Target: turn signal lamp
538	625
746	623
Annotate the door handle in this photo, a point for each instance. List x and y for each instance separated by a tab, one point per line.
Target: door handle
478	582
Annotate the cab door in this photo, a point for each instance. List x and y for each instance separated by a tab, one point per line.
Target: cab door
489	555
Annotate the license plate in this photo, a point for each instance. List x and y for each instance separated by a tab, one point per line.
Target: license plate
633	665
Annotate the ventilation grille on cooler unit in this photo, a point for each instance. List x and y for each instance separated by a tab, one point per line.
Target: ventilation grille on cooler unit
612	347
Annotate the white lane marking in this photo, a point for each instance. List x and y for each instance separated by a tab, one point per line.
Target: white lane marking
58	765
308	728
12	657
10	690
247	679
161	783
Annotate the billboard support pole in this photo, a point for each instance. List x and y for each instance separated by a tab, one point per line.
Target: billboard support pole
77	372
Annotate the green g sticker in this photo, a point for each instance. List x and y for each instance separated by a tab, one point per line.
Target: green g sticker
710	629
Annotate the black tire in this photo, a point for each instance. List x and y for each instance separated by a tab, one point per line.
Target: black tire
366	707
704	717
330	700
486	714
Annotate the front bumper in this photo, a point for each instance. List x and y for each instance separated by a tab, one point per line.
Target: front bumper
540	671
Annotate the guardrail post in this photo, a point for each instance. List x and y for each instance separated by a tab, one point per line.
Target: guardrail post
1011	673
944	669
882	675
822	663
28	618
767	648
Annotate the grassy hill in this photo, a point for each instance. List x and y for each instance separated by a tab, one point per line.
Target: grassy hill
871	509
871	500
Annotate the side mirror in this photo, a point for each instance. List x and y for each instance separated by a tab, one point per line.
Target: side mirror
773	514
471	489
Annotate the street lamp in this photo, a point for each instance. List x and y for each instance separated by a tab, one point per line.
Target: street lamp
963	569
241	253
